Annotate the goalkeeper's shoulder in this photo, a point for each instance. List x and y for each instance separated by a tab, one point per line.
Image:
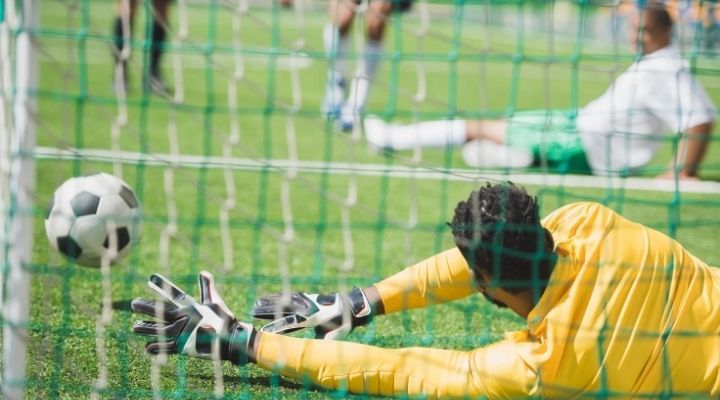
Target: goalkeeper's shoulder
578	213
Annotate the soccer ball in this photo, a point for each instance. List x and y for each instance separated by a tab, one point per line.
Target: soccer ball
89	214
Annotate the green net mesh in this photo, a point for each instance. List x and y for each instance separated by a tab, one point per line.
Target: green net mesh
240	174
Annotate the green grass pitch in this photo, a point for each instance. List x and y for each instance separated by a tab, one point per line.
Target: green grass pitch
76	109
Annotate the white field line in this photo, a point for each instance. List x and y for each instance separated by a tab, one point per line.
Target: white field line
394	171
302	61
97	56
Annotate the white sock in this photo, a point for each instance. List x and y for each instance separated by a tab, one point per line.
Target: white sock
364	75
445	133
488	154
336	47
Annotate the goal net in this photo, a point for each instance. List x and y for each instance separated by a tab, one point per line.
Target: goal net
240	173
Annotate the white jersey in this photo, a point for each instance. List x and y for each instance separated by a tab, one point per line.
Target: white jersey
623	128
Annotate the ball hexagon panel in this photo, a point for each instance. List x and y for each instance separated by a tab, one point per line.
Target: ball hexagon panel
85	203
60	220
113	208
90	233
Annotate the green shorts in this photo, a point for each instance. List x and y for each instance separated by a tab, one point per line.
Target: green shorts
552	137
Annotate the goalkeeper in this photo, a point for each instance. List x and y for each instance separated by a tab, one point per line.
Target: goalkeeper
613	308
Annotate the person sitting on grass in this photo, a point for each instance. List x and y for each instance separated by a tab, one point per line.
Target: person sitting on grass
618	133
613	308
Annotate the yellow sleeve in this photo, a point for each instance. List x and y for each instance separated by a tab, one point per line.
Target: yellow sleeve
496	371
441	278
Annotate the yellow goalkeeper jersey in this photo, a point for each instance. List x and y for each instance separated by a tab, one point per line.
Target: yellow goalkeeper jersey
627	312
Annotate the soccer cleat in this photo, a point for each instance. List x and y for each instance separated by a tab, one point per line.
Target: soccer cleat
156	85
355	103
346	121
333	101
345	124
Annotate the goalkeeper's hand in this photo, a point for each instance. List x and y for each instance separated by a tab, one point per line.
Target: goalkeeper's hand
207	329
333	316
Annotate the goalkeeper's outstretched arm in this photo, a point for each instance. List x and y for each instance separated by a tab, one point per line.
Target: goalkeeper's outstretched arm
496	371
438	279
208	329
441	278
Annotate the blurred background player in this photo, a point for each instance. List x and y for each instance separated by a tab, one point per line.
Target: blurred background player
336	39
124	20
616	133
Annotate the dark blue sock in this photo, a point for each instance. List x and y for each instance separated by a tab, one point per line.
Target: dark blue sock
156	48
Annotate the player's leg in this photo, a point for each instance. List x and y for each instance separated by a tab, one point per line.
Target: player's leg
442	133
122	32
486	139
488	146
158	35
389	136
376	20
336	40
548	137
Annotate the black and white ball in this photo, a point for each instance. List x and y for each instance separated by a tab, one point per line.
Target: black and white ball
93	216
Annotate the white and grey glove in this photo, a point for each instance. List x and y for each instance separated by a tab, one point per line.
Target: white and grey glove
333	316
207	329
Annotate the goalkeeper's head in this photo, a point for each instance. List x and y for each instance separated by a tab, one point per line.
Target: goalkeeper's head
498	231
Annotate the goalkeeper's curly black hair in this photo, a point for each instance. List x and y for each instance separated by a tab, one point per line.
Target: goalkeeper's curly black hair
499	233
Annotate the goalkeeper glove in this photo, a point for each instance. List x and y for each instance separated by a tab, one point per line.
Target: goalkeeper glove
333	316
207	329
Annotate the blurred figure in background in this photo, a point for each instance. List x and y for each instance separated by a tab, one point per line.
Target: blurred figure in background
336	39
617	133
125	11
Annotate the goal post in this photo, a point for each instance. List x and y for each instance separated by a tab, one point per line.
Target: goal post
18	62
240	173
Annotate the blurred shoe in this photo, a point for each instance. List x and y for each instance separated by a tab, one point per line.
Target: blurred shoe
333	101
157	85
488	154
347	118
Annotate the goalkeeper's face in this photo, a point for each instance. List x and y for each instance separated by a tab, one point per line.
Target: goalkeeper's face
489	291
493	300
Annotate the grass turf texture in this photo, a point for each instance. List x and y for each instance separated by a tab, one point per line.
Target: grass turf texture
76	107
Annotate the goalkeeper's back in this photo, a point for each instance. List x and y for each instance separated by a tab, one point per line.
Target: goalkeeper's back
628	311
